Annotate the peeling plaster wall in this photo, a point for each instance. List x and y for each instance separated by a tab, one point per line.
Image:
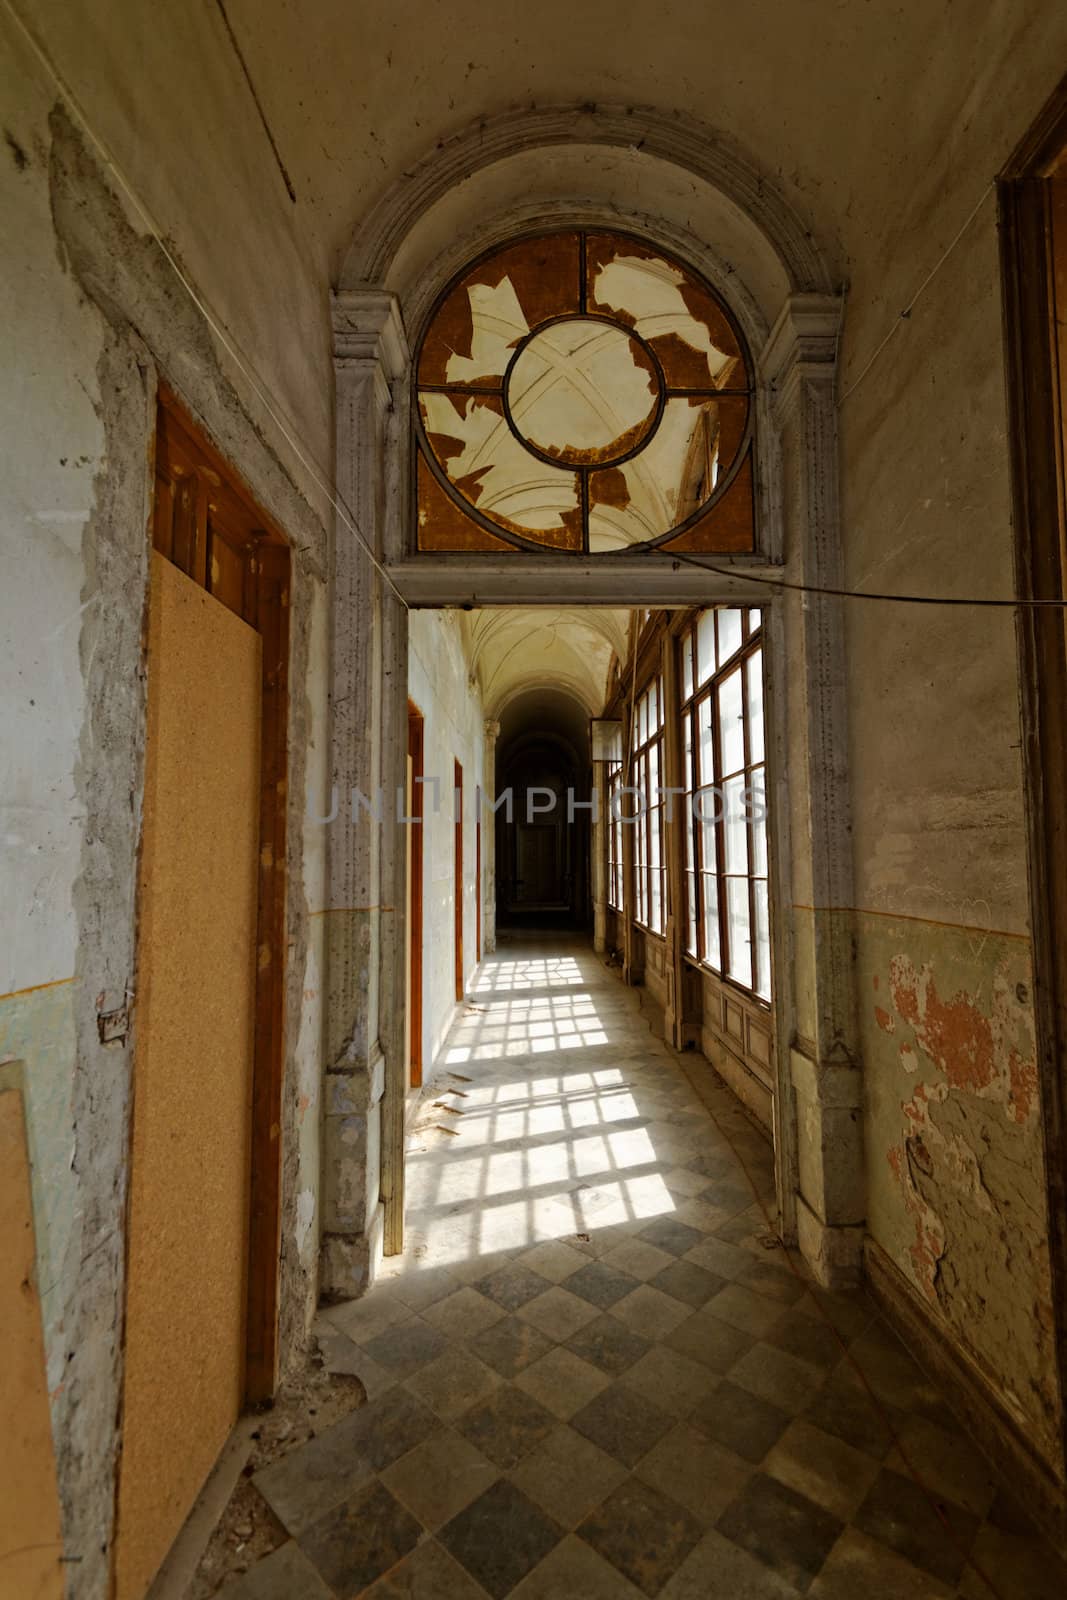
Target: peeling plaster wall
439	682
956	1184
955	1172
94	318
882	128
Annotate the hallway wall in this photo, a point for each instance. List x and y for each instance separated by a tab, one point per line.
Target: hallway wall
94	319
439	683
956	1181
884	132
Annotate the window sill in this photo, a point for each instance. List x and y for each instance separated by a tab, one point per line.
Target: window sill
729	983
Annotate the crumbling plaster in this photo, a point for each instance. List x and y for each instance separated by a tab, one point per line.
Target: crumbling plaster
956	1177
103	319
956	1184
882	131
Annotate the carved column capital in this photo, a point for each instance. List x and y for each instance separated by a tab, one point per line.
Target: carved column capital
368	326
801	347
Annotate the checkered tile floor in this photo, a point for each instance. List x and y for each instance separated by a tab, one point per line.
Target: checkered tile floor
589	1378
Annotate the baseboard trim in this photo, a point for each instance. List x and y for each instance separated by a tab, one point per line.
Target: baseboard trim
1026	1475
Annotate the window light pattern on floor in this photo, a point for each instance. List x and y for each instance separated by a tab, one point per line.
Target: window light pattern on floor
653	1404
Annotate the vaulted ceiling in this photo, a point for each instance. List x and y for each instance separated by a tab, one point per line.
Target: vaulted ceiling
516	649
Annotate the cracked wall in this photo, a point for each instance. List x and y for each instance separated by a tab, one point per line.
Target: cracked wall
956	1192
97	318
955	1166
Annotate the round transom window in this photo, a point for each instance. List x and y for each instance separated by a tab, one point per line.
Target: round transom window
582	391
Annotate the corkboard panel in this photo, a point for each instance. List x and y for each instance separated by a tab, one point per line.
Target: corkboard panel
189	1182
30	1547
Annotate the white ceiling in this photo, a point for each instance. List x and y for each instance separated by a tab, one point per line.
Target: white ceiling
515	649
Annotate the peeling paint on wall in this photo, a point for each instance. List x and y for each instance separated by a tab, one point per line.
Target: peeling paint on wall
954	1145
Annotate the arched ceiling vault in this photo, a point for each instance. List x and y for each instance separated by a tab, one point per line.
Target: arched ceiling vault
514	649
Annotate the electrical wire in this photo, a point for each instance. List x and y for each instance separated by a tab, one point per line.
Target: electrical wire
735	573
920	291
328	486
285	426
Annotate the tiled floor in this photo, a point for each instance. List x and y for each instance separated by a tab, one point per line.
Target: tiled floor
589	1378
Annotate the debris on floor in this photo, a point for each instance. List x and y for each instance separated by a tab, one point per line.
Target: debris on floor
310	1401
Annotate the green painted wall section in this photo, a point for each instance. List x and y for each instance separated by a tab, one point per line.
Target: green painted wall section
955	1168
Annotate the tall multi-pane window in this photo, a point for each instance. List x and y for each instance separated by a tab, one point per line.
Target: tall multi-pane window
723	747
650	869
614	830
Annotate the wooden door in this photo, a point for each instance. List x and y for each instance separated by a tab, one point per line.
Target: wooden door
1033	238
478	879
415	831
458	880
205	1172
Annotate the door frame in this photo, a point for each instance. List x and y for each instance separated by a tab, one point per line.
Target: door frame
457	792
1036	406
477	876
256	588
414	821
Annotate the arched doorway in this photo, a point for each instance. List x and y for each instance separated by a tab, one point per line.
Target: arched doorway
543	828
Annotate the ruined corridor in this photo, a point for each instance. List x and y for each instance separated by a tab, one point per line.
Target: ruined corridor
595	1373
533	735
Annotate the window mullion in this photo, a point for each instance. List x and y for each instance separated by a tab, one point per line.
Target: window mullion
746	758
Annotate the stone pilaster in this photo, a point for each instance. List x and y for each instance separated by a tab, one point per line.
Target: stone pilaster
822	1177
368	676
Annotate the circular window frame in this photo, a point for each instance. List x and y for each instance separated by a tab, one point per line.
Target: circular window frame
744	452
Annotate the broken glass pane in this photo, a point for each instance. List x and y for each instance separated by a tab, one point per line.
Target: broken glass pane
583	391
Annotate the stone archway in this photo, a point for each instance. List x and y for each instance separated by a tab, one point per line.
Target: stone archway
478	187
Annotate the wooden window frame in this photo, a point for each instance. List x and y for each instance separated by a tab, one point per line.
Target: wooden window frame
650	820
613	834
706	694
206	521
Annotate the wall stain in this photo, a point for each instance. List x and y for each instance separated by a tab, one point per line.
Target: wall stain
960	1146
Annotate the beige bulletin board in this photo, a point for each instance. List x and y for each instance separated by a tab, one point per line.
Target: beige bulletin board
194	1014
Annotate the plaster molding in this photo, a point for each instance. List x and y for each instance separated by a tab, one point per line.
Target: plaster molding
683	141
834	1254
801	347
368	326
612	581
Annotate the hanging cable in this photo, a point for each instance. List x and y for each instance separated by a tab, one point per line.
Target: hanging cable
327	485
736	573
913	302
